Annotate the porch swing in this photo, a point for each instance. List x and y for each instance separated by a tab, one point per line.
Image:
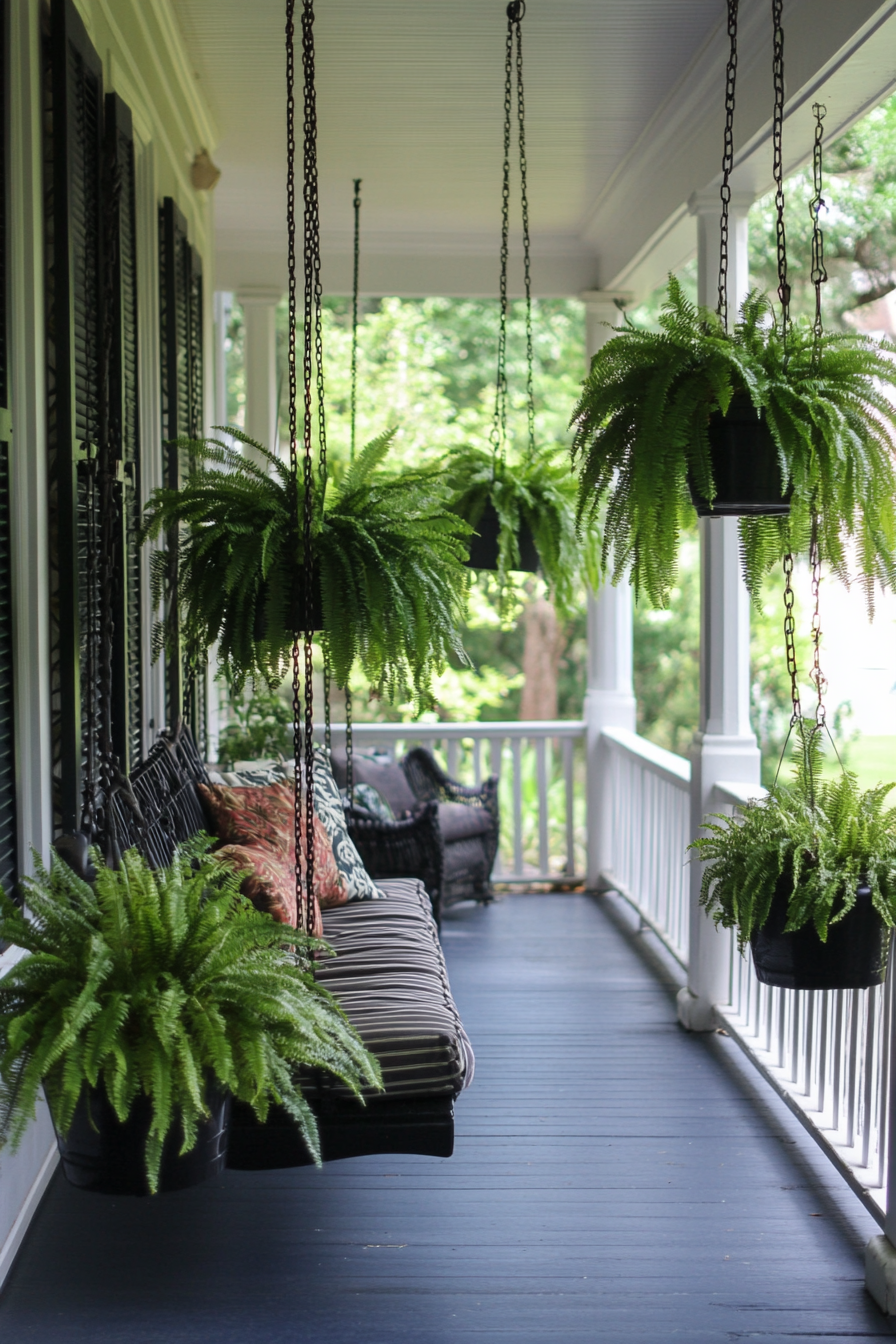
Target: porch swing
390	975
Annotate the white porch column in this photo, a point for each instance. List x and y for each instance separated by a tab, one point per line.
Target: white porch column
259	313
724	746
609	698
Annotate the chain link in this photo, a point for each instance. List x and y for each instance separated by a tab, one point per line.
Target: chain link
727	161
520	10
499	420
778	161
818	679
349	747
356	203
790	641
819	274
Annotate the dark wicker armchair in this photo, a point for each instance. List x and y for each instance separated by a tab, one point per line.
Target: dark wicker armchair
445	833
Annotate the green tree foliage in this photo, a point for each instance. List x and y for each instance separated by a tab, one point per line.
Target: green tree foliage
262	727
155	982
821	837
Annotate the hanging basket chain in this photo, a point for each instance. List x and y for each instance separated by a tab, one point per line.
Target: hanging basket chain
817	677
499	420
520	10
778	161
312	333
727	161
819	274
355	275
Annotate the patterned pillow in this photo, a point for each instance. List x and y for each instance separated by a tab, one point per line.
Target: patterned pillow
328	804
366	796
264	818
269	883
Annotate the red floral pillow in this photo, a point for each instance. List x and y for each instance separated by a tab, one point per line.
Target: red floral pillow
263	818
268	881
253	815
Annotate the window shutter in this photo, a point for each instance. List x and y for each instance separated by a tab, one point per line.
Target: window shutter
8	837
127	710
75	98
180	269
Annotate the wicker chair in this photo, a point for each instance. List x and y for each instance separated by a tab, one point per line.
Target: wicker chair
446	834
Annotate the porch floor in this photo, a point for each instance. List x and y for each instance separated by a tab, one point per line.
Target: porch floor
614	1179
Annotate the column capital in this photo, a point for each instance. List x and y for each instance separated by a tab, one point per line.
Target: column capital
709	202
263	295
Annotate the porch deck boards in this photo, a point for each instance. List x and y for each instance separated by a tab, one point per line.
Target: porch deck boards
613	1180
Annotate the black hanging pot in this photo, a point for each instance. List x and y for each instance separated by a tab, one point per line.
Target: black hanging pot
485	548
296	615
744	462
854	956
101	1154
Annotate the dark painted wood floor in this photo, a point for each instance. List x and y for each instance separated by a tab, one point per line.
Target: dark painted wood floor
614	1180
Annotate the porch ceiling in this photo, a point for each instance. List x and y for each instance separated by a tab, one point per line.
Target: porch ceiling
623	121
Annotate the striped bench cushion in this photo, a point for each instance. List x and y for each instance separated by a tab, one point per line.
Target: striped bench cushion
389	975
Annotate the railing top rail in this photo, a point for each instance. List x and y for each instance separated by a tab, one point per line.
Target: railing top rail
485	728
657	759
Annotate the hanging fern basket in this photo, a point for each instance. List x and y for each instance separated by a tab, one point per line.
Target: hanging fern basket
853	957
485	545
745	468
102	1154
296	614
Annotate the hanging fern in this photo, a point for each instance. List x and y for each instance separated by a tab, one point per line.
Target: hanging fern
390	555
155	982
823	837
540	492
642	424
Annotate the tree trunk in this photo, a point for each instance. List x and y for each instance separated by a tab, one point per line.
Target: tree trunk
542	651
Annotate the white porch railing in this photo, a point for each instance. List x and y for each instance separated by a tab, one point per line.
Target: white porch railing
649	800
827	1054
541	772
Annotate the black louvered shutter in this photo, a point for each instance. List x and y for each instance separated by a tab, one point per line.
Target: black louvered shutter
8	839
127	709
73	218
180	271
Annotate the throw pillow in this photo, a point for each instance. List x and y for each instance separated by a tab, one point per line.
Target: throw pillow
265	817
366	796
269	882
328	804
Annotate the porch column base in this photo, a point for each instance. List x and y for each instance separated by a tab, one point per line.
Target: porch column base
695	1013
880	1273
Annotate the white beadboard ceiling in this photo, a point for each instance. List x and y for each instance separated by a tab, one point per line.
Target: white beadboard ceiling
623	124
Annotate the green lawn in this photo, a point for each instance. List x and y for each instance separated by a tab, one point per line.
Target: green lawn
872	758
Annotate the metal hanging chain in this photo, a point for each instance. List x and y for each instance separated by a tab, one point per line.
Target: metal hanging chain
313	362
727	161
328	678
349	748
778	161
499	420
819	274
817	677
519	11
355	274
303	907
790	641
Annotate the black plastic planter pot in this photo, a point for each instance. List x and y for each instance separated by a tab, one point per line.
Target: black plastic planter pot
484	548
101	1154
297	615
744	465
854	956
